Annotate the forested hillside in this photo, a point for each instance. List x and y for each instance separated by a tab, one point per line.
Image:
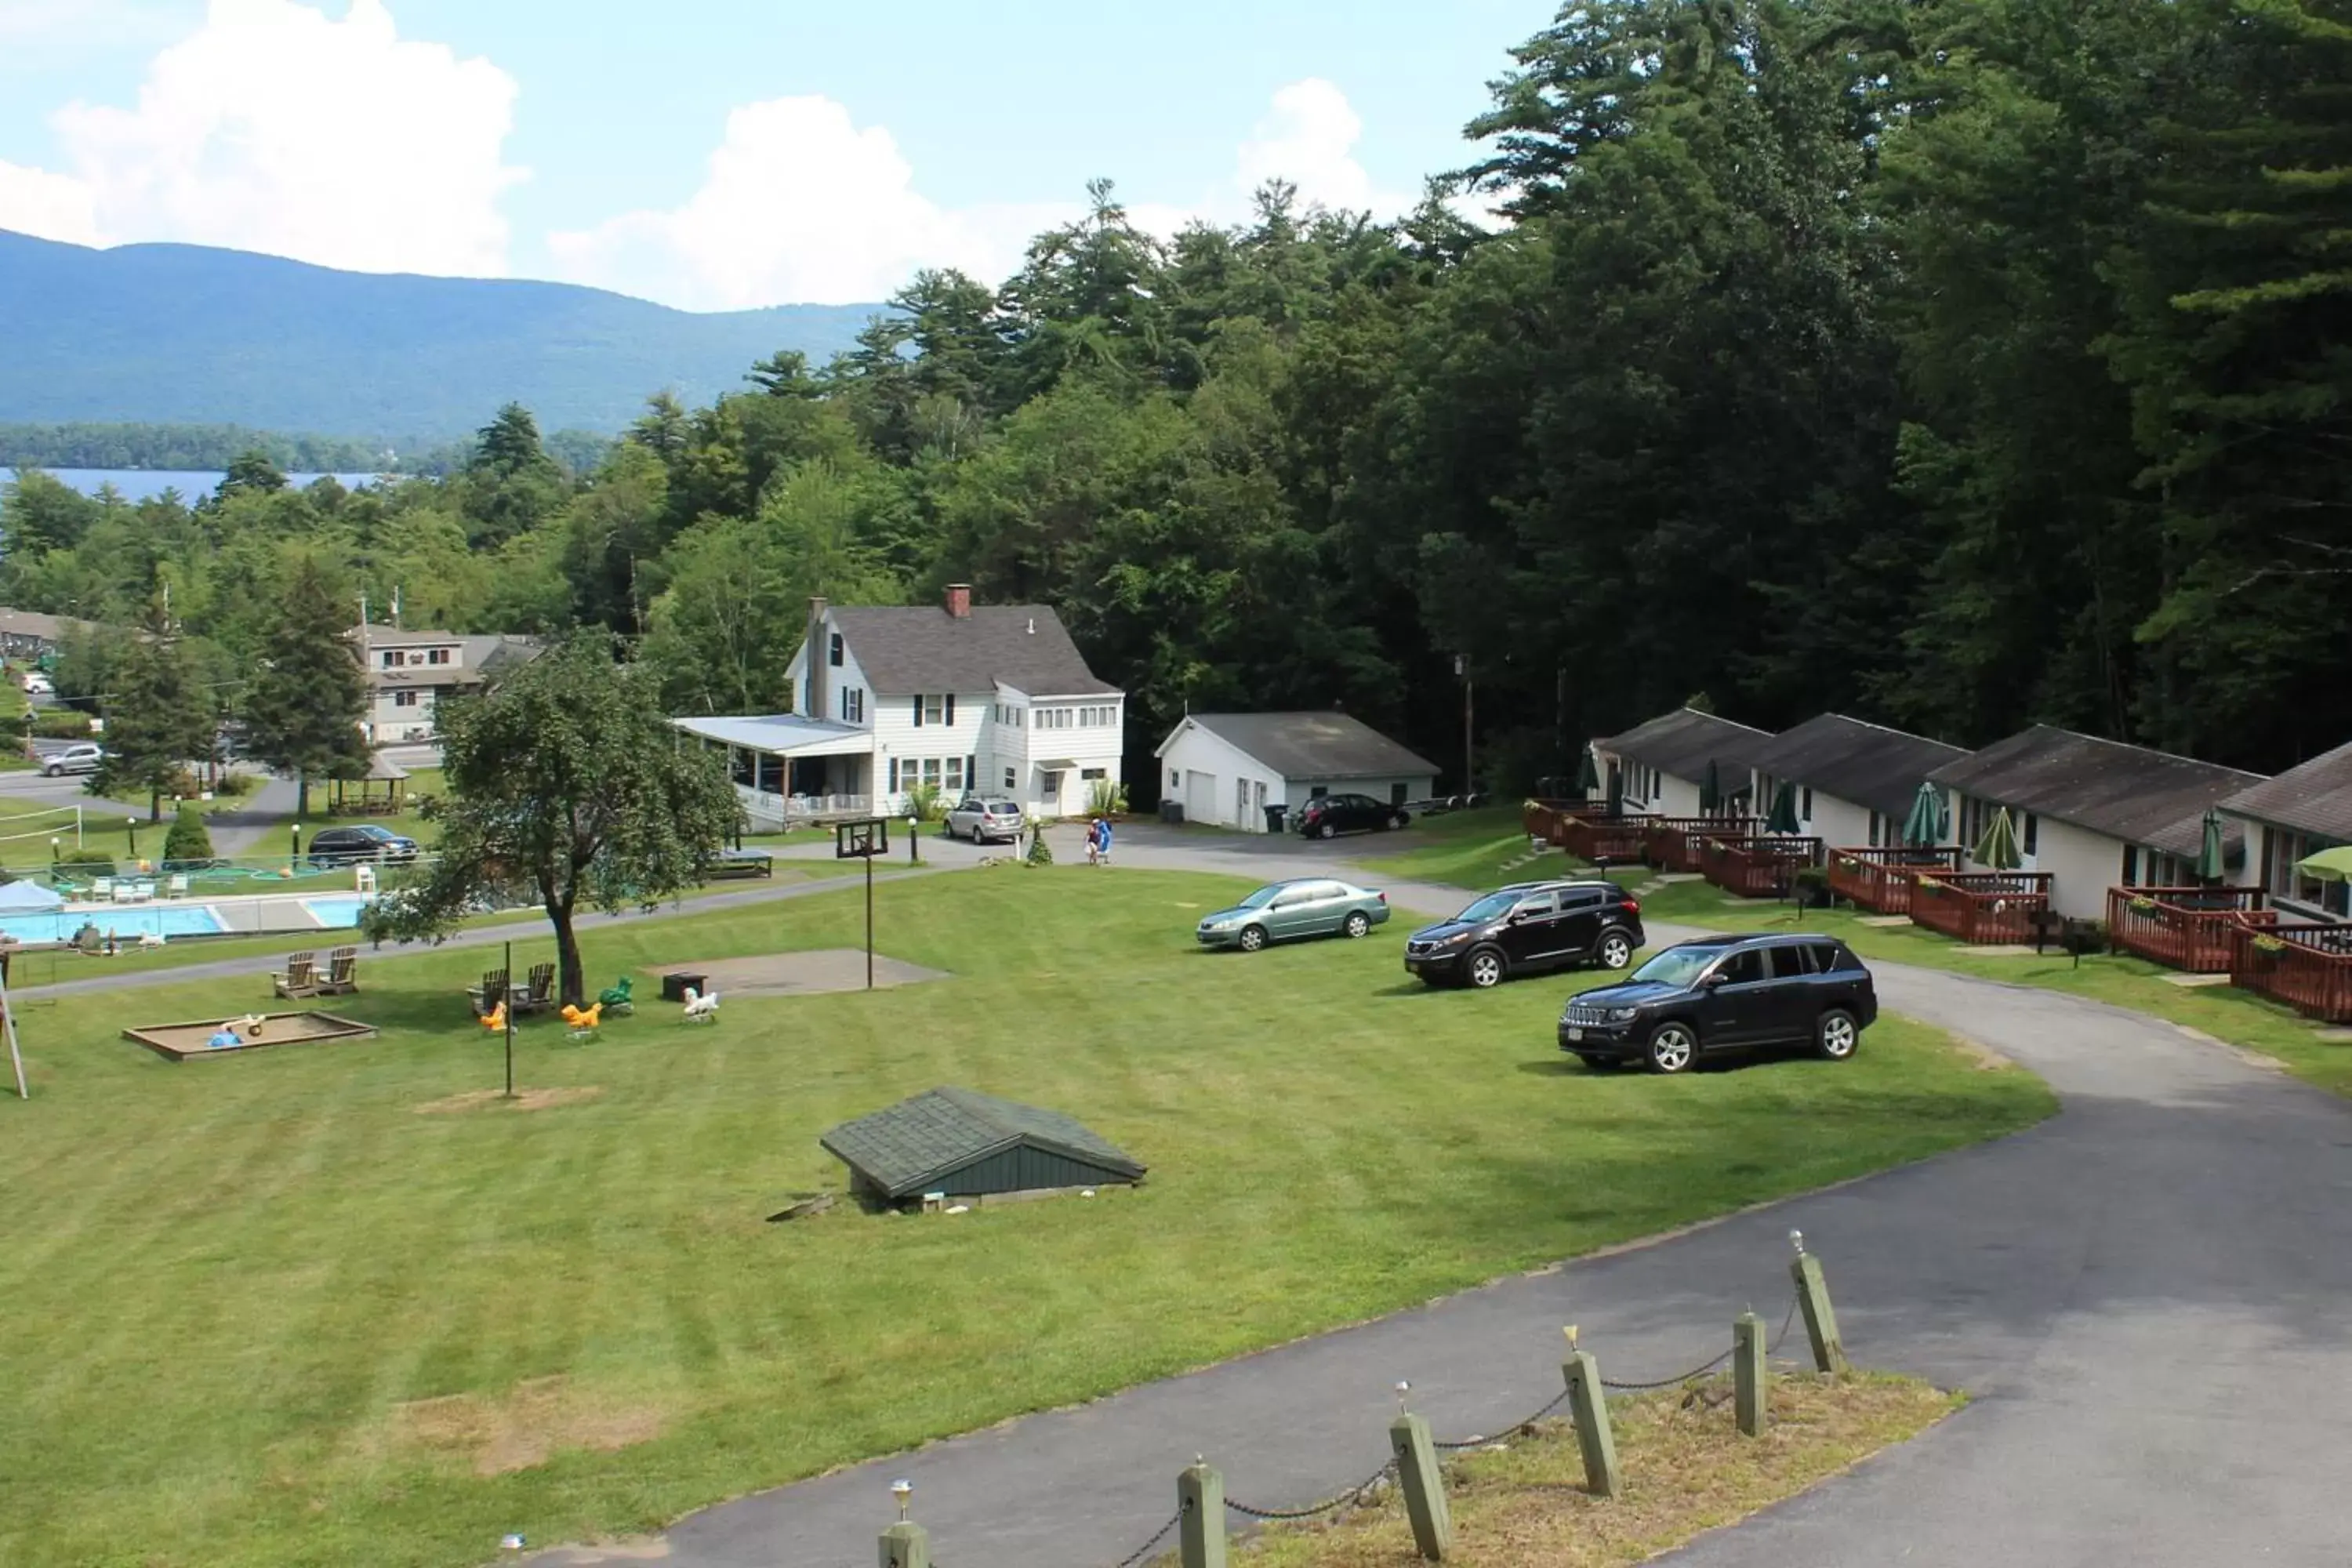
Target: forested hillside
1957	363
188	334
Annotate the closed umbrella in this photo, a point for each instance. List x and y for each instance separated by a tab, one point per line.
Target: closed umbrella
1588	778
1783	817
1710	791
2210	867
1998	849
1930	822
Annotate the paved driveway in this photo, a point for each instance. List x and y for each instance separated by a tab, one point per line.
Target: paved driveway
2146	1295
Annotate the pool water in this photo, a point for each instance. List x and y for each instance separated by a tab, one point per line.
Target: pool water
160	919
344	912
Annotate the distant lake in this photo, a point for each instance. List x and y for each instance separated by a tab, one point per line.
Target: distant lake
144	484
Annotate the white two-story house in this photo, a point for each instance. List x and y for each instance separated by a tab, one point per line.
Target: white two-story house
994	700
410	671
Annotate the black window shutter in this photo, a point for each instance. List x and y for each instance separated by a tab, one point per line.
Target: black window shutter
894	775
919	710
971	774
951	710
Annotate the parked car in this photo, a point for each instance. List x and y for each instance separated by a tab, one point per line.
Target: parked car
82	759
1313	906
331	846
1720	993
1526	928
1329	814
985	821
39	685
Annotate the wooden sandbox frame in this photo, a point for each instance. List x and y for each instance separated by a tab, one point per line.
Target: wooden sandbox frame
181	1042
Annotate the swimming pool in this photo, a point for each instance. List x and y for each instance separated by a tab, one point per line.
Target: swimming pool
157	919
342	911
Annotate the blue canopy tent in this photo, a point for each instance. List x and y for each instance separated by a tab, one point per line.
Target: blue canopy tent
29	899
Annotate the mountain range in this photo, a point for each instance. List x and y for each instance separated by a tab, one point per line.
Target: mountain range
191	334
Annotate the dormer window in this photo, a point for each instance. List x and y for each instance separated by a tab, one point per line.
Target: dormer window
832	657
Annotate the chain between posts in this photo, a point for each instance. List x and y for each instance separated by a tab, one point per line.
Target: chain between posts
1705	1367
1159	1535
1556	1401
1354	1494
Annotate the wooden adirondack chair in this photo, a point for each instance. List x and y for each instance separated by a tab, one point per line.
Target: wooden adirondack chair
300	978
491	992
342	973
541	995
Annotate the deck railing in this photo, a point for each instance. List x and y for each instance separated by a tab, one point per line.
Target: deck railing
1757	868
2308	967
1673	842
2193	929
1547	819
1615	839
1980	908
1880	879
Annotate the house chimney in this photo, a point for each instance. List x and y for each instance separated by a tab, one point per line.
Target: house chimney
813	701
960	601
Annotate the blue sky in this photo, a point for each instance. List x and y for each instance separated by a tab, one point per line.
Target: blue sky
711	152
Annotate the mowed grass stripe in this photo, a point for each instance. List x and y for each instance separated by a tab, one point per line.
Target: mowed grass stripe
233	1281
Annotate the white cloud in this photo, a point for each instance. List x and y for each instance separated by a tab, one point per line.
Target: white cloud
800	205
273	127
32	201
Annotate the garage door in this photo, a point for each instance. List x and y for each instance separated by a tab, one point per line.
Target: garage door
1201	797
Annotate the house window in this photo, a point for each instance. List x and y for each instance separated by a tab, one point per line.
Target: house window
393	659
404	700
852	700
437	656
955	774
1874	823
1009	778
934	710
833	652
1809	802
1090	775
931	772
2286	849
2033	834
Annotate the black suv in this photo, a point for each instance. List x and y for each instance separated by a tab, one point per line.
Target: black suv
331	846
1526	928
1726	993
1329	814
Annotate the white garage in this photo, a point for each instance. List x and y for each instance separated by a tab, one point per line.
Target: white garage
1227	768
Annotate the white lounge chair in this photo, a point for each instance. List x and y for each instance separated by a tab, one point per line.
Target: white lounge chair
178	886
101	889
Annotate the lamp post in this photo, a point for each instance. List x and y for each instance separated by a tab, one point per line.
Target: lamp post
56	849
914	843
296	857
132	823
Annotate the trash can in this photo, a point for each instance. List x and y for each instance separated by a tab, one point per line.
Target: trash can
1171	812
1274	815
673	986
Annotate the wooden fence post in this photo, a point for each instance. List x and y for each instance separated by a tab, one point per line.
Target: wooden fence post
1748	1373
1588	1404
1424	1487
905	1544
1813	1300
1201	1503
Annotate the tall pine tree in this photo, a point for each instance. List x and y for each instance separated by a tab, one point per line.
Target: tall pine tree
159	720
308	695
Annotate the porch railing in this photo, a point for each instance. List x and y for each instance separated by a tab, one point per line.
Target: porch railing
1673	842
2185	928
1880	879
770	813
1548	819
1616	839
1757	868
1982	909
2308	967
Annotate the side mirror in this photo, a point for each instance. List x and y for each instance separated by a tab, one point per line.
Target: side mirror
1712	979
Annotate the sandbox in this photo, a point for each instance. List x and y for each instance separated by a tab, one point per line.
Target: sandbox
801	973
179	1042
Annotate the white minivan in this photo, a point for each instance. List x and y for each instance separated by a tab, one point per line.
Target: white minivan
38	685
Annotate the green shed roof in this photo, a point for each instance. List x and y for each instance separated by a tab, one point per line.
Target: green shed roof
910	1146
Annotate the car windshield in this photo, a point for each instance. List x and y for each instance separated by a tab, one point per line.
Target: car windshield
1262	898
1494	906
372	831
1677	965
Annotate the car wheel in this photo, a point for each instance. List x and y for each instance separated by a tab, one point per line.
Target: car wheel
1484	969
1616	950
1253	938
1399	819
1357	924
1836	1035
1325	830
1672	1047
54	772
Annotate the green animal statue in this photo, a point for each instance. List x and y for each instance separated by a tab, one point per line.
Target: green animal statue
615	999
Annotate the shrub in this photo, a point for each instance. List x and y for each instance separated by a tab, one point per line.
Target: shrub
1105	797
925	802
1039	855
235	786
1811	886
88	862
61	724
190	840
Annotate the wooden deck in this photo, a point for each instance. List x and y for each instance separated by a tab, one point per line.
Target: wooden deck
1673	842
1617	840
1880	879
2194	928
1982	909
1547	819
2308	967
1757	868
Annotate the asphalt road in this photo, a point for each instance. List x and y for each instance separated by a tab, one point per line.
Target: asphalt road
2144	1294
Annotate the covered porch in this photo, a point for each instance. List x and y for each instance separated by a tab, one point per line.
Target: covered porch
789	771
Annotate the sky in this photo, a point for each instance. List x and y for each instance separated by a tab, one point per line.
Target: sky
715	154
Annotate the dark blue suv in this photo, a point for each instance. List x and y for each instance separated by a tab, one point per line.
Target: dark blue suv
1726	993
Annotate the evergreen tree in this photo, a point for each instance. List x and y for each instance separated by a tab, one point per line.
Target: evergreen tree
159	720
308	695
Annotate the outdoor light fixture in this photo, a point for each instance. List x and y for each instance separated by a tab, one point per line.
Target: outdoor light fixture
902	1490
1797	1240
1403	1388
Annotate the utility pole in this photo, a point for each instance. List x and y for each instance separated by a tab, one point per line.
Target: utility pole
1462	669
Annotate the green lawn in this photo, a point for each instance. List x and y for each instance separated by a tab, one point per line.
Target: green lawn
1485	848
230	1283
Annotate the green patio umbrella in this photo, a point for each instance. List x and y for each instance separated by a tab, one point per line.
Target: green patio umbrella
2329	865
1930	822
1783	817
1710	791
1998	849
1588	777
2210	865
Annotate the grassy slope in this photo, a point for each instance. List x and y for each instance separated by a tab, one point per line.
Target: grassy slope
225	1278
1480	848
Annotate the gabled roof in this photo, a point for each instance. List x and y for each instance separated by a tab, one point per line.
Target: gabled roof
2315	797
1681	743
1868	765
909	1145
1312	745
910	649
38	625
2124	791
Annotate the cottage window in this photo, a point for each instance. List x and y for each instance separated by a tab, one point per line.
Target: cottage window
955	774
437	656
392	659
832	653
934	710
2033	834
1808	812
851	705
1009	778
932	771
404	700
1091	775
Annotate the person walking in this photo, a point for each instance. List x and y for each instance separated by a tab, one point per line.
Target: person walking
1101	844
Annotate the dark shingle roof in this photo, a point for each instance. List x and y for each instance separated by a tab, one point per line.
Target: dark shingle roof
2315	797
904	1148
1311	745
2124	791
1868	765
1683	741
910	649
